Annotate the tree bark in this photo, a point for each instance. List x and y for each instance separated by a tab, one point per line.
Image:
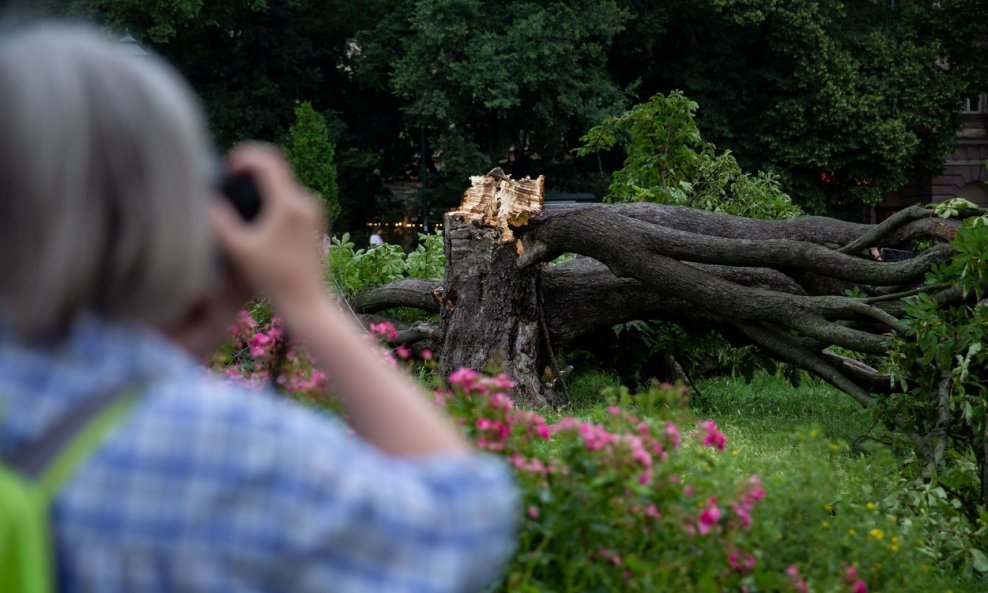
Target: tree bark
412	292
489	310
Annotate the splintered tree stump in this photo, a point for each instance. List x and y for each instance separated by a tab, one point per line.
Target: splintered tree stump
489	308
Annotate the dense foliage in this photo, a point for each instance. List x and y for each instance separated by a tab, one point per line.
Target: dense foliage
495	82
850	89
670	163
940	365
353	270
840	101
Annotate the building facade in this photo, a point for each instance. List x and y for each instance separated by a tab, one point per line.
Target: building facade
964	174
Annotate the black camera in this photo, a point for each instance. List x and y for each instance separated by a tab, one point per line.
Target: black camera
241	190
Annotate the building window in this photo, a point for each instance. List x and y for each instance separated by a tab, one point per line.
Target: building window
975	104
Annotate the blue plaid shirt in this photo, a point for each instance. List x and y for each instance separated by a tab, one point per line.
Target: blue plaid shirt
207	487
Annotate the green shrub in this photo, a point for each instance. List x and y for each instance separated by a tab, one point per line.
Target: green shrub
354	270
669	162
614	502
312	153
939	365
637	495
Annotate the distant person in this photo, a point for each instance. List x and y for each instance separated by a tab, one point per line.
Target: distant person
111	276
375	238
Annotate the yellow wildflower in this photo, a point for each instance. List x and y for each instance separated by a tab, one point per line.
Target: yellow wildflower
871	506
876	533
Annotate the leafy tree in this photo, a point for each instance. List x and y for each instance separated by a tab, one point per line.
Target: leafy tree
939	363
668	162
791	87
250	61
312	154
512	81
800	88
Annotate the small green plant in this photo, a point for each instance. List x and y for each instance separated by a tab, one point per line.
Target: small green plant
952	207
353	270
428	260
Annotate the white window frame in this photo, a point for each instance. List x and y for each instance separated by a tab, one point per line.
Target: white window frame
981	107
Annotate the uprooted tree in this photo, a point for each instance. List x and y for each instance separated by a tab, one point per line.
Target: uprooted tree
779	284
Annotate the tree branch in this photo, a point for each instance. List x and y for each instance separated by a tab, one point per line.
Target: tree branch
412	292
790	350
582	224
875	234
859	372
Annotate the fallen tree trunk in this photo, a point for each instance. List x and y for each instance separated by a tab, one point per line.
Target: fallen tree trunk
779	283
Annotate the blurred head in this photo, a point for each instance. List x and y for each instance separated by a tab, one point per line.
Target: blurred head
104	194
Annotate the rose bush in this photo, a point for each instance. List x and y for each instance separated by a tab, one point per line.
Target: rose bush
637	494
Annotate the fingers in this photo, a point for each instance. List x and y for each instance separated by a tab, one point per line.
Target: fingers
230	228
276	253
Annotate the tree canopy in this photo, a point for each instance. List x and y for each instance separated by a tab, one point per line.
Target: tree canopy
860	94
856	90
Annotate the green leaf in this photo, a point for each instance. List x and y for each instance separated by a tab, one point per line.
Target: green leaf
979	561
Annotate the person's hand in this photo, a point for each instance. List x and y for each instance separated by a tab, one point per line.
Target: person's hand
277	252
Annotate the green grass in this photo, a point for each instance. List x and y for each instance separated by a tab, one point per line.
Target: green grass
585	388
770	404
768	421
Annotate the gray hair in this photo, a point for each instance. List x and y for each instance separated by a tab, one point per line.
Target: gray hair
103	184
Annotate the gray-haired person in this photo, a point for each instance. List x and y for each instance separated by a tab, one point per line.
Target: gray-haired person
110	276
